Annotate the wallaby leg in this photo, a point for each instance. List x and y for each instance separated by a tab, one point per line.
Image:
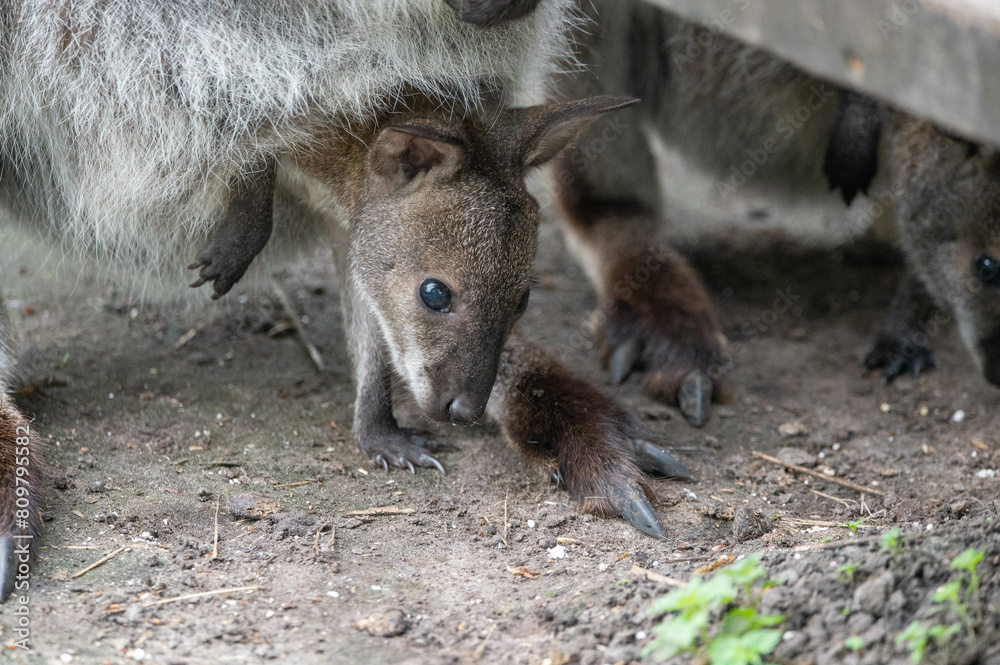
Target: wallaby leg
375	429
900	344
243	233
20	478
598	450
488	13
852	156
654	314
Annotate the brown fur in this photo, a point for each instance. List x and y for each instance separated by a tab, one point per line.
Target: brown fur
566	424
20	485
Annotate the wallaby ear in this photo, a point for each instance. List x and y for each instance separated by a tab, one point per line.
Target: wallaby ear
402	152
540	132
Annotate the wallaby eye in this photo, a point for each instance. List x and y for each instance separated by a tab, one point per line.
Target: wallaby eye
522	305
987	269
436	295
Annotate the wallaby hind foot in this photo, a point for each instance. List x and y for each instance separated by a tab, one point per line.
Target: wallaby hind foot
242	234
900	344
597	450
654	315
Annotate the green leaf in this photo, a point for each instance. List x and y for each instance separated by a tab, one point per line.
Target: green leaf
678	635
968	560
889	540
854	643
745	572
915	638
744	650
947	592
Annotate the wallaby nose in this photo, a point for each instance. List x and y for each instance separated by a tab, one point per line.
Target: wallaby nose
465	409
991	353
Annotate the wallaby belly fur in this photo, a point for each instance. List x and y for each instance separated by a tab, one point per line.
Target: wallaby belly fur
122	124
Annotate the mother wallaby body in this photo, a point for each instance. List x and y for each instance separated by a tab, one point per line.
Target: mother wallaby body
755	122
131	130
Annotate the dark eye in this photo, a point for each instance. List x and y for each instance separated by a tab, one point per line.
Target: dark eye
987	269
436	295
523	303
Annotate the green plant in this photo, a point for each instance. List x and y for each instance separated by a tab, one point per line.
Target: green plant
739	634
889	542
853	526
916	636
845	574
854	643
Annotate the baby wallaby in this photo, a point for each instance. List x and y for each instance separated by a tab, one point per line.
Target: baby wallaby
947	192
129	129
434	236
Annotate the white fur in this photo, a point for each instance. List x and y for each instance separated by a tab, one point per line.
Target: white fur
121	121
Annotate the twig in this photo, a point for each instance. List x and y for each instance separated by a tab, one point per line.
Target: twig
316	542
201	594
331	544
187	337
835	544
656	577
817	474
844	502
97	563
381	510
215	545
478	653
298	484
286	304
505	523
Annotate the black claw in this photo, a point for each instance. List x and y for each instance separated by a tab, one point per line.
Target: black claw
633	506
199	282
8	566
557	479
695	397
623	360
654	459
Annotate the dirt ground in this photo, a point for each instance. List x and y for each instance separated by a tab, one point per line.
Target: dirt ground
154	415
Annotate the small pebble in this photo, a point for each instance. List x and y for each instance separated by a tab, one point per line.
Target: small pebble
958	416
557	552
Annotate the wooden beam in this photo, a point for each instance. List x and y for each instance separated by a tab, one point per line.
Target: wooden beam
939	59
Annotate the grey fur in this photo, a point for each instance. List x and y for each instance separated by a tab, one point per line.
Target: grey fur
122	123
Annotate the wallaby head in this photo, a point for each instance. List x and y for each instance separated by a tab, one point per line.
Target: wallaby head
950	226
443	238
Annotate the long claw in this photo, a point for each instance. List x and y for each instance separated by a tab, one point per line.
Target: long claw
199	282
633	506
623	360
695	397
8	567
557	478
653	458
437	465
195	265
409	465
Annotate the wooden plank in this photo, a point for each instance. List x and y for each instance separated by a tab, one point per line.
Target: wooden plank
936	58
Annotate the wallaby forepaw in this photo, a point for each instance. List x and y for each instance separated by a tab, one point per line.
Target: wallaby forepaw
223	268
402	448
898	355
489	13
